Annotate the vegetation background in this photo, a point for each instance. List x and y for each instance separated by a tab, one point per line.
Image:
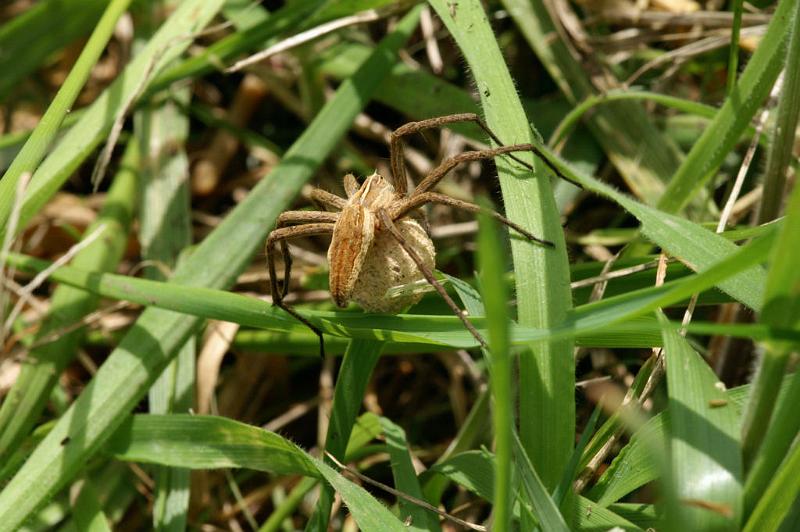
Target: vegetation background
640	373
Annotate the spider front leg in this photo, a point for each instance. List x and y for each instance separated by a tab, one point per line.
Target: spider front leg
388	224
281	235
396	143
418	200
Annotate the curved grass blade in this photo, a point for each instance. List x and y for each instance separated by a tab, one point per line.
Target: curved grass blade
157	335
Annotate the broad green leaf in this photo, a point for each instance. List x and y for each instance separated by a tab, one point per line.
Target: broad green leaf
206	442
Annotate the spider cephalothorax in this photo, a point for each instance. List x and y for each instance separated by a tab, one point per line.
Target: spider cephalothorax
376	243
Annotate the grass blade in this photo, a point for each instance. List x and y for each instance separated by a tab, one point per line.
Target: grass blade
722	134
543	505
25	401
705	450
42	137
547	378
169	42
491	258
405	479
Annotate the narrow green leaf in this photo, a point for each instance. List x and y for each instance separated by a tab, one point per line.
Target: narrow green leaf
80	141
28	39
777	501
739	108
676	235
88	511
491	259
704	450
369	514
405	479
544	507
206	442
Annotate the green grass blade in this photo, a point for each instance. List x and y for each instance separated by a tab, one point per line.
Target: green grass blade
168	43
157	335
676	235
206	442
780	496
164	231
25	401
785	130
782	295
645	158
722	134
88	512
495	297
419	329
705	450
547	373
27	40
405	479
733	55
369	514
42	137
543	505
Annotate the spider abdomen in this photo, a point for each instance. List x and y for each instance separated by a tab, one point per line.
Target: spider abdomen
387	265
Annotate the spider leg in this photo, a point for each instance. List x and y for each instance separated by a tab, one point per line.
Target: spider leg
282	235
417	200
396	143
351	185
326	199
438	173
386	221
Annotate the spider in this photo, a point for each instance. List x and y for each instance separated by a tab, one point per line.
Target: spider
377	241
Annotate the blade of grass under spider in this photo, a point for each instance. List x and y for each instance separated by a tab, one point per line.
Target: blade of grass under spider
725	130
28	159
28	39
157	335
168	43
405	479
705	452
434	329
547	378
165	230
27	398
781	495
781	308
645	158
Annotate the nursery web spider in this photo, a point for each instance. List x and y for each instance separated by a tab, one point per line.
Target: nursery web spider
376	242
